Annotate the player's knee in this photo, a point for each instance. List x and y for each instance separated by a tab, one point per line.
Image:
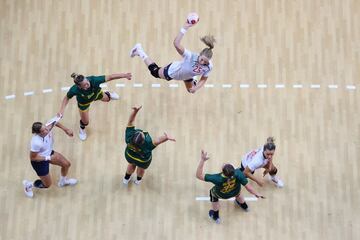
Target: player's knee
154	70
67	164
84	123
273	171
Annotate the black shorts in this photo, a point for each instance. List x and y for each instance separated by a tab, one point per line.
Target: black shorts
41	167
166	72
242	169
213	198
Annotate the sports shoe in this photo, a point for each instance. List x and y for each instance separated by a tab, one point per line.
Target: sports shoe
67	181
114	96
82	134
277	181
137	182
135	50
126	181
211	215
28	188
243	205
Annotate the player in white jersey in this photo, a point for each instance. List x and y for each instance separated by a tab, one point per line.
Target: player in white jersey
42	154
192	64
261	158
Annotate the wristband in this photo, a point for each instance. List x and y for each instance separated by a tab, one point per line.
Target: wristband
47	158
183	30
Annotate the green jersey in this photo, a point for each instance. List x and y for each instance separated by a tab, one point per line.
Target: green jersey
224	187
138	155
90	94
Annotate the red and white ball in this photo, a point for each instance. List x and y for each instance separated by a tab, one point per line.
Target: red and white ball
193	18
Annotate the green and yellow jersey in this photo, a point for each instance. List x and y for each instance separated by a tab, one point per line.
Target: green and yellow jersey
85	97
224	187
140	156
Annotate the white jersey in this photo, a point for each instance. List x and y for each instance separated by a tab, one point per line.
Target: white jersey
42	145
188	67
254	159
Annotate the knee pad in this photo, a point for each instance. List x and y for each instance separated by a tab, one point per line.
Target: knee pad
83	124
154	70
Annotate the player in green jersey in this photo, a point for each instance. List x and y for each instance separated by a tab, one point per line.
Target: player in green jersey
87	90
227	185
139	148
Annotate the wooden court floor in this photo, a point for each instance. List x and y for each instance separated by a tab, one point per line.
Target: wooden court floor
288	69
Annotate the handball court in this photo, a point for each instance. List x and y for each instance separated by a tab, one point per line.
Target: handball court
288	69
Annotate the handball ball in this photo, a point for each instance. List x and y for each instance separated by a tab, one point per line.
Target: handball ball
192	18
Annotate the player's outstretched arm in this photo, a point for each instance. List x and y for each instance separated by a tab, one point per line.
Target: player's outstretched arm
133	115
179	48
163	139
68	131
248	174
118	76
64	102
200	169
251	190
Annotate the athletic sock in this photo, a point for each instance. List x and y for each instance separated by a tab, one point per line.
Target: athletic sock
127	176
138	178
216	215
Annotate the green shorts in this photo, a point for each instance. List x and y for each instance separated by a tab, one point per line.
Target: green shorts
83	107
137	162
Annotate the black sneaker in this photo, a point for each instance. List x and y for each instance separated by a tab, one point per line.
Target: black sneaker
211	215
244	206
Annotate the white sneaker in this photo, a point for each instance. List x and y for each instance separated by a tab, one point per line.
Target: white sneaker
135	50
67	181
114	96
28	188
277	181
137	182
82	134
126	181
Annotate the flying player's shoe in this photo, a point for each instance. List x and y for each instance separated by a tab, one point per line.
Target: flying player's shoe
135	50
28	186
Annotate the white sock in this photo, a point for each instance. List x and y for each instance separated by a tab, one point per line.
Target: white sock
62	178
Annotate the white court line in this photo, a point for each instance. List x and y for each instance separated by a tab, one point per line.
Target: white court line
314	86
333	86
279	86
48	90
262	86
250	199
244	85
209	85
103	85
227	86
297	86
10	97
119	85
65	88
156	85
173	85
138	85
28	93
350	87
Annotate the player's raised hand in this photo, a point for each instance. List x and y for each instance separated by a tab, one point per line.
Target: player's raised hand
204	156
136	109
128	76
168	137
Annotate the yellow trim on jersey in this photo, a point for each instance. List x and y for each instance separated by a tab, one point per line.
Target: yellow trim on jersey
137	159
84	104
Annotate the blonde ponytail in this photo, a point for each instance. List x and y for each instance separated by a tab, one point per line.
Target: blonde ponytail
209	41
